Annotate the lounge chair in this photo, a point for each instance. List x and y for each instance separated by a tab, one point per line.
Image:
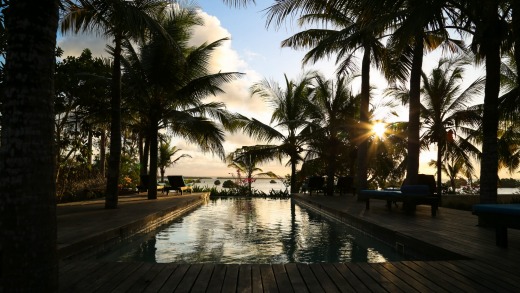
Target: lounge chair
409	195
501	216
177	183
316	183
346	184
143	186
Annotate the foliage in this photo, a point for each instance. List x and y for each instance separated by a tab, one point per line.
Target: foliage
229	184
509	183
217	182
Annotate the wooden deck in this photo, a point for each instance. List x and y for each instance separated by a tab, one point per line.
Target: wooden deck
480	265
406	276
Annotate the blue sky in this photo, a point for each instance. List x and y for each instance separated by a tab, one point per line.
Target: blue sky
254	50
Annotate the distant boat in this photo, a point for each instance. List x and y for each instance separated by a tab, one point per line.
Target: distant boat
273	181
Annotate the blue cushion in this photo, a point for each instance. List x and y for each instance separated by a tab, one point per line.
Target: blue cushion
504	209
371	192
415	190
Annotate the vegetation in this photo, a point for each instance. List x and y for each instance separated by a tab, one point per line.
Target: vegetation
59	125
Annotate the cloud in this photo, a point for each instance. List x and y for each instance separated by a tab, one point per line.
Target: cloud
74	44
237	97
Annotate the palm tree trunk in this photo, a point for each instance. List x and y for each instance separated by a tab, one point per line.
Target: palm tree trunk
364	122
412	167
102	152
154	154
294	188
439	169
491	48
27	186
114	160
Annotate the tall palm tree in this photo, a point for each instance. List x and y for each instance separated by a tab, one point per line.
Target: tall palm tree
167	86
332	123
417	27
27	214
120	20
350	30
445	110
487	20
166	152
290	115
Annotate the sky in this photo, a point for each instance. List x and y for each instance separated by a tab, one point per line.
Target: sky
253	49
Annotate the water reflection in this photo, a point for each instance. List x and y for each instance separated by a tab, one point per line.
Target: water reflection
255	230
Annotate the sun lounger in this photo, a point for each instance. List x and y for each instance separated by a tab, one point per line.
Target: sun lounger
409	195
177	183
502	216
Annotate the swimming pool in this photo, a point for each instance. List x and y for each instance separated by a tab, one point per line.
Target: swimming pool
254	230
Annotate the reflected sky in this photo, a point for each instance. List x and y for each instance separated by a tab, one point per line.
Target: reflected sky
255	230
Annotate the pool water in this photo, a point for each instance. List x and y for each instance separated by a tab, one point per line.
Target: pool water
254	230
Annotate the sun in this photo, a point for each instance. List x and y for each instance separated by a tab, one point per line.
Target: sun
379	129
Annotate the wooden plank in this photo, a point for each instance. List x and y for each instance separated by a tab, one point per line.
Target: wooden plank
72	279
118	278
282	278
160	279
256	279
441	279
147	278
202	282
417	280
326	283
351	278
310	279
244	278
399	279
486	275
133	278
365	278
231	279
381	279
189	278
174	279
460	276
217	279
297	282
268	280
337	278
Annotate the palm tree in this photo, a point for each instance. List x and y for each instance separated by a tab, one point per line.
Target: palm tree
166	152
445	110
27	214
120	20
487	21
347	34
167	85
416	27
289	113
332	123
245	160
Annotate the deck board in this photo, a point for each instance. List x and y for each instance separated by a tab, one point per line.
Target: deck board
161	277
282	279
174	279
481	267
244	278
297	282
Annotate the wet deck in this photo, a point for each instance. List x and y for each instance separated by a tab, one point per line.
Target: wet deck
480	265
